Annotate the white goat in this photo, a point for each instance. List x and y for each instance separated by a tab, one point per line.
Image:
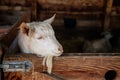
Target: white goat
39	38
100	45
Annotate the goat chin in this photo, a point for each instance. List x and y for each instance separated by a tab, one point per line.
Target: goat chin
48	61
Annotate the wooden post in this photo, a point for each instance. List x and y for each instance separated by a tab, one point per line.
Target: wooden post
33	9
3	50
0	62
106	24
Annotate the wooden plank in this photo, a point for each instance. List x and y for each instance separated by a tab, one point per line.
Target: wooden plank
62	14
42	76
13	8
56	77
98	65
28	76
71	5
33	10
3	31
83	75
107	15
13	76
31	75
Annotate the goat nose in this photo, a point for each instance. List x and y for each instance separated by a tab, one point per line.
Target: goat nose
60	49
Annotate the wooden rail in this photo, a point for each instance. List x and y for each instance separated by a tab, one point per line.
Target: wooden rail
95	65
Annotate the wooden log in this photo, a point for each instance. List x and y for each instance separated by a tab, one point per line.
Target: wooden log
107	15
3	31
17	2
4	8
72	5
97	65
13	8
62	14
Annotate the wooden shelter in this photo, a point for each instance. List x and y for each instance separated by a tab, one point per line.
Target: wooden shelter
73	65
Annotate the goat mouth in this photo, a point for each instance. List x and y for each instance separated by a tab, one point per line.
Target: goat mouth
58	54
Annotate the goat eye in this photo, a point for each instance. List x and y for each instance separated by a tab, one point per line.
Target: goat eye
41	37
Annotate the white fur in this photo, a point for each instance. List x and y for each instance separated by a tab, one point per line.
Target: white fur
48	46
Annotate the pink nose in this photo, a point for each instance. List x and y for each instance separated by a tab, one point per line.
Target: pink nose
60	49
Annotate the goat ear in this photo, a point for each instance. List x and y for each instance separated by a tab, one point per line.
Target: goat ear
24	28
50	20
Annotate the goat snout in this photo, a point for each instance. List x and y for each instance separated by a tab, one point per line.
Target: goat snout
60	49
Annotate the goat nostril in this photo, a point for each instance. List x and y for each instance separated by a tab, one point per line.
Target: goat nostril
60	49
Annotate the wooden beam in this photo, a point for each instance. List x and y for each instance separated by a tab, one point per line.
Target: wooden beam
72	5
33	10
61	14
91	64
107	15
3	31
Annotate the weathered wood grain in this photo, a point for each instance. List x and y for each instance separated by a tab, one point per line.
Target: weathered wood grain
72	5
97	65
13	76
28	76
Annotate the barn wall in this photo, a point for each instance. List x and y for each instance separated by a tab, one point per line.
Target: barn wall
79	9
72	5
14	4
